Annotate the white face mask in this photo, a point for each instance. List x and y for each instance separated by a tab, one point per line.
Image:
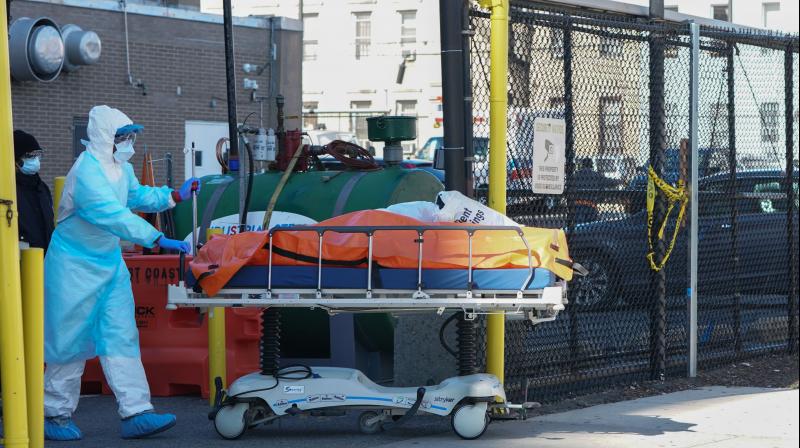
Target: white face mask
124	151
30	166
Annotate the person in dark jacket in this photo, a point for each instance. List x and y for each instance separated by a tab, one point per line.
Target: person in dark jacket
34	201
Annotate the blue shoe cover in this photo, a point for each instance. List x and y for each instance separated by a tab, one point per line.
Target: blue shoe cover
146	424
61	429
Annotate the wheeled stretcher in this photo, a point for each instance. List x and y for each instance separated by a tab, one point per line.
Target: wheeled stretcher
374	279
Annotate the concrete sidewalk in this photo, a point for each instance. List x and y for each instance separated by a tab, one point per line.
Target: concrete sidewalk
714	417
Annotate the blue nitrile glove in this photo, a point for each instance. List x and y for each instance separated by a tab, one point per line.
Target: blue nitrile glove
192	184
180	246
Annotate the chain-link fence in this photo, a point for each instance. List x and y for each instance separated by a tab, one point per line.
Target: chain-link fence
622	84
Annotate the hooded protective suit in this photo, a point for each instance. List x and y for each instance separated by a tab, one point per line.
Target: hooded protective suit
89	307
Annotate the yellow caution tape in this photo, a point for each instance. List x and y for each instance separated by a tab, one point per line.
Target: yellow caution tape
673	195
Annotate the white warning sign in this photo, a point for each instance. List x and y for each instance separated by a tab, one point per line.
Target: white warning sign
549	142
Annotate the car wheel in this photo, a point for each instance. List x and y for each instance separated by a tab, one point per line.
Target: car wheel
596	287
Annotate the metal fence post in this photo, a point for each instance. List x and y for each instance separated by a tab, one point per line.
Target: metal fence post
737	318
469	151
452	95
569	118
789	125
694	158
658	322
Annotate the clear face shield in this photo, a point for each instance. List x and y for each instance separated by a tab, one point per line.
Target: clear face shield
121	138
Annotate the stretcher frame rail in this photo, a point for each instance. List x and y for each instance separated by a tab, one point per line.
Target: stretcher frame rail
535	304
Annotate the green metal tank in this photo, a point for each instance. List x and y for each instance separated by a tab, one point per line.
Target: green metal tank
318	195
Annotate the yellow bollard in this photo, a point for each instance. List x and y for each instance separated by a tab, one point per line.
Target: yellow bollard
12	353
498	124
217	365
33	325
59	188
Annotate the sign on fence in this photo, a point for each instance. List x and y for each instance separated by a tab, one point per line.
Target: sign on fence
549	142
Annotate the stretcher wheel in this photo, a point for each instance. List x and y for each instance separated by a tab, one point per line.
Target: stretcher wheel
230	421
469	421
364	424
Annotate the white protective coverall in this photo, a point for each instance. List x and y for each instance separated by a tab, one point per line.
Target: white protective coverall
89	307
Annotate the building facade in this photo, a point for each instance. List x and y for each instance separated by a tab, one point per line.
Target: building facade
352	53
177	87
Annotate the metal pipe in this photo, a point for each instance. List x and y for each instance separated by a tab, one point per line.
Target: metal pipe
33	326
217	363
694	159
658	317
790	200
269	274
569	150
124	4
319	265
58	190
168	158
469	150
12	353
498	110
420	241
469	271
230	79
369	267
194	206
452	95
734	265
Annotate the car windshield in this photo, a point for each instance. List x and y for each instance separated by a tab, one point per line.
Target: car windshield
428	150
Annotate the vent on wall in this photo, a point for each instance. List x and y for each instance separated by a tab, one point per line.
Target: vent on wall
39	50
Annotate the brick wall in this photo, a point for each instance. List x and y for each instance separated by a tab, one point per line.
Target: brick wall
165	53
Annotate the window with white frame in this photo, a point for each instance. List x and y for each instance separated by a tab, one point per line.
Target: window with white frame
363	33
406	107
721	12
610	124
310	39
771	10
770	122
408	31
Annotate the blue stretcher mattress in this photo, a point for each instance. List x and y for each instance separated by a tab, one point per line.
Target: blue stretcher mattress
305	277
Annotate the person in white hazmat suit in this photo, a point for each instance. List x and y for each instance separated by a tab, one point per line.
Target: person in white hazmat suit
89	308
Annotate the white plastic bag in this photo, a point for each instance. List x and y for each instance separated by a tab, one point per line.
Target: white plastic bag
455	207
421	210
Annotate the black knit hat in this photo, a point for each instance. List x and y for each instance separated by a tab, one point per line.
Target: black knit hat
24	143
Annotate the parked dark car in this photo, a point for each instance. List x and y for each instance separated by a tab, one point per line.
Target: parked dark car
614	251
